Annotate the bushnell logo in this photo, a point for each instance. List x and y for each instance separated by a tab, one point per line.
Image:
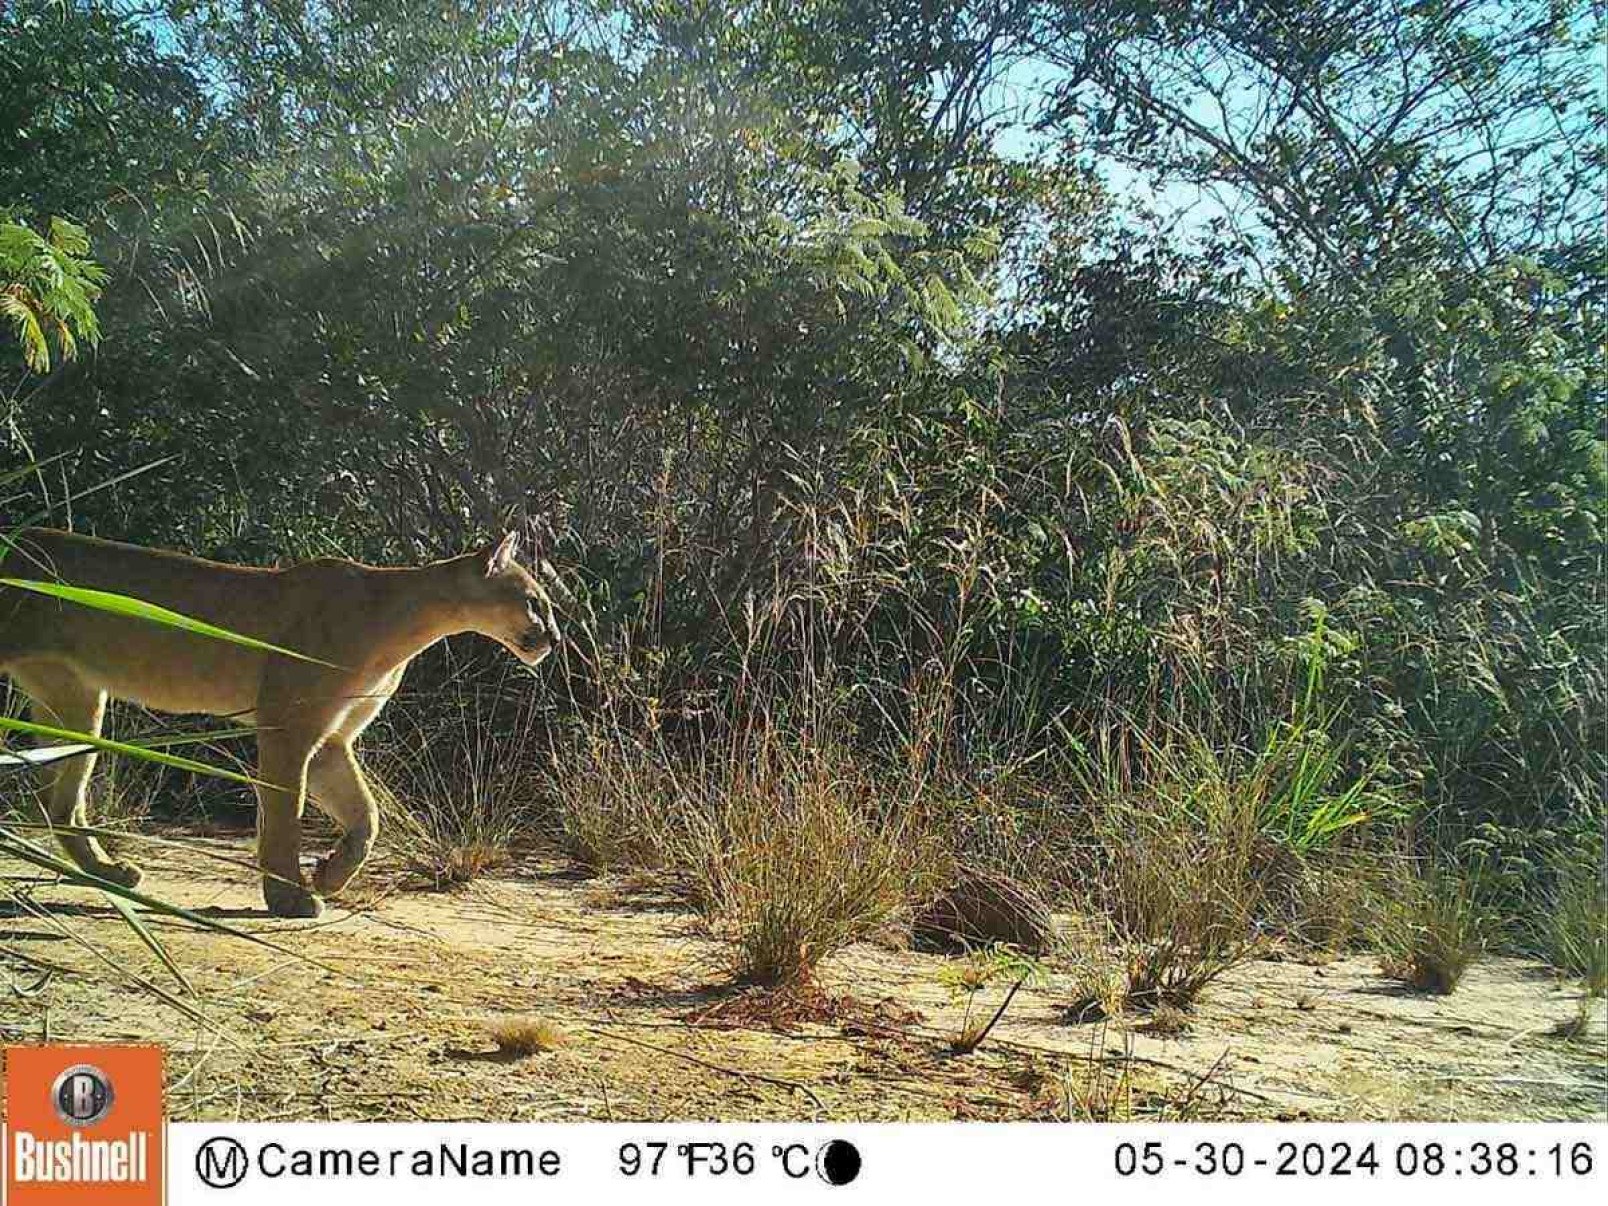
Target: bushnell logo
84	1122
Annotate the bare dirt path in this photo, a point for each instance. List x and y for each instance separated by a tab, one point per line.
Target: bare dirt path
396	1022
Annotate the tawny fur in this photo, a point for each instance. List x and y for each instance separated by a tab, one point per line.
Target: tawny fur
368	622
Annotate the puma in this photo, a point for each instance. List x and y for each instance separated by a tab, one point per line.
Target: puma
362	623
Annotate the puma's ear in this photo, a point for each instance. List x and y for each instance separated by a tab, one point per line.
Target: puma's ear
503	555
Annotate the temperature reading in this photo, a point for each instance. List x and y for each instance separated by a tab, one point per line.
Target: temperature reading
796	1160
836	1162
716	1159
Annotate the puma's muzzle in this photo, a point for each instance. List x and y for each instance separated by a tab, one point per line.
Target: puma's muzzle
537	641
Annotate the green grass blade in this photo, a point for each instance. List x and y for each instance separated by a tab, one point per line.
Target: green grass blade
169	740
102	833
122	605
156	990
22	471
123	747
43	755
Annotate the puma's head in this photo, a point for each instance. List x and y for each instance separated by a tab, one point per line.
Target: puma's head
508	604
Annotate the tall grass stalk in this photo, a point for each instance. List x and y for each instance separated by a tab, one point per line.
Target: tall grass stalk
462	773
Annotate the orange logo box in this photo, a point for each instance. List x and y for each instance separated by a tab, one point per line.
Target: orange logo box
84	1126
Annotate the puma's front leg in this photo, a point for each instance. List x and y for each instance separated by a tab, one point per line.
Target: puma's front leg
335	783
282	774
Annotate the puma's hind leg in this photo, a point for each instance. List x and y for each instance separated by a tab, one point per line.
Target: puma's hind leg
58	697
336	784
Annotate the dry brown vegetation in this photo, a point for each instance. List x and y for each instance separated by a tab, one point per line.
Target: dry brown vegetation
790	849
457	774
789	852
519	1037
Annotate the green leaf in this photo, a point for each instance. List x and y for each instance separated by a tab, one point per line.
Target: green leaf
123	747
45	754
122	605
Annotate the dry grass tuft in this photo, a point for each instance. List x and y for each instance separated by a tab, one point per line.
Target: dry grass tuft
615	793
1178	867
788	851
1575	933
1336	896
448	867
793	857
524	1036
1432	929
787	901
455	774
1104	1092
441	844
1099	990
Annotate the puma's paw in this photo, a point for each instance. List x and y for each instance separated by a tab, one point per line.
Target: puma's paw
290	900
331	874
121	872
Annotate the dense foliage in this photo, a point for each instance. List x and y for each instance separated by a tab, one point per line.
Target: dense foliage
878	348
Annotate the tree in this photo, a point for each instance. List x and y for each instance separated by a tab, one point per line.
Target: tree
93	114
1361	134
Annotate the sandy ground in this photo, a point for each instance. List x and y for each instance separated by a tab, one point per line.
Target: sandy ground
393	1020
